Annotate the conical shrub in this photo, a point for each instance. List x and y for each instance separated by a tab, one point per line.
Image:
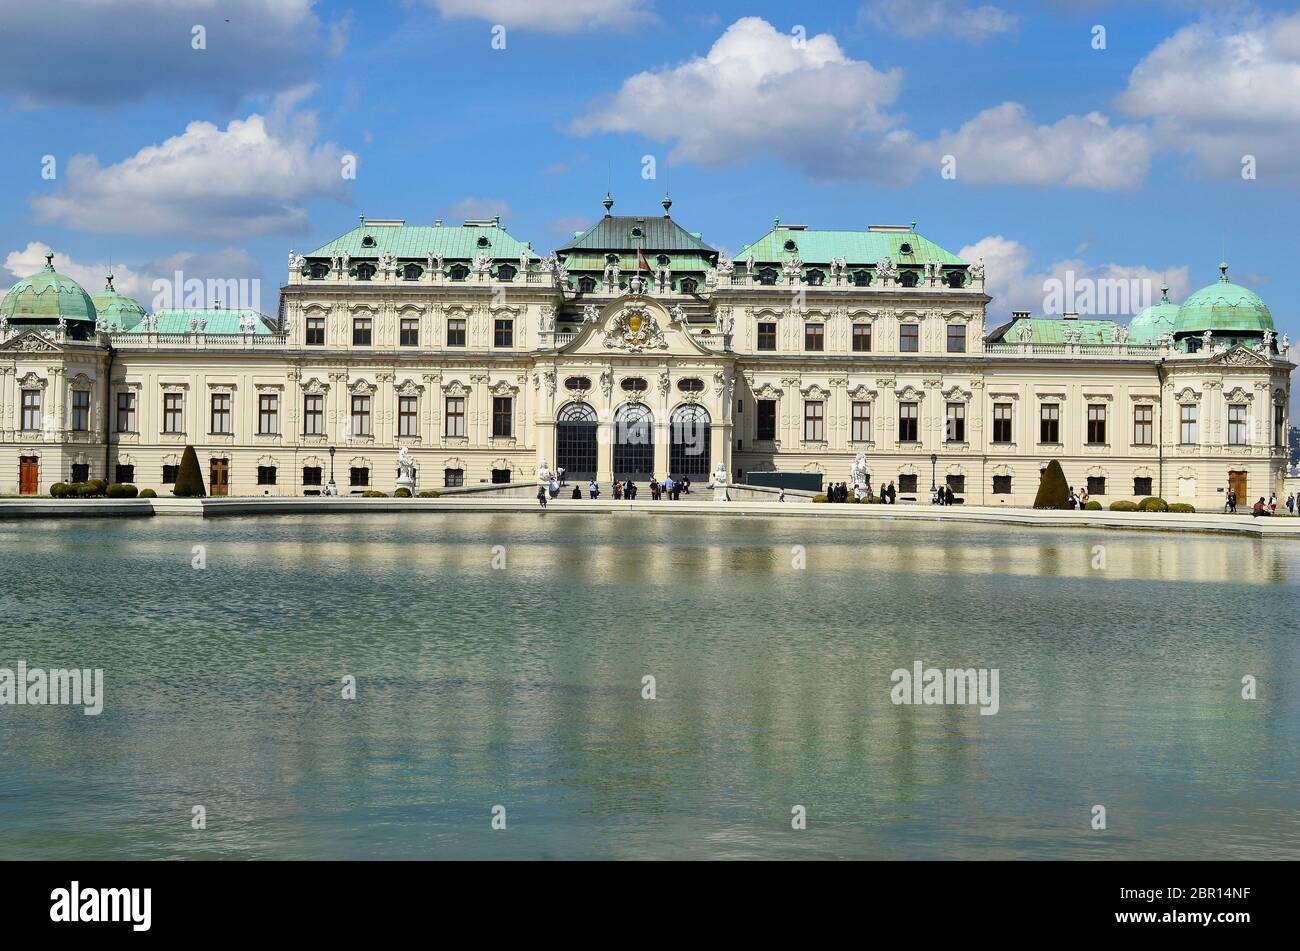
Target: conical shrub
1053	490
189	481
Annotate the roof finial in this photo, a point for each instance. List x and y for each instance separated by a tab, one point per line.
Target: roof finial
1223	272
1164	292
667	203
608	203
108	278
49	261
913	225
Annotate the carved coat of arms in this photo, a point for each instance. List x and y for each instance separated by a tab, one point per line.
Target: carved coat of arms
634	329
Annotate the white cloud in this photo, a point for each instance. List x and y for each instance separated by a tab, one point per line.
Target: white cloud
480	208
90	52
1002	145
1014	284
137	280
758	92
253	177
1223	89
953	19
549	16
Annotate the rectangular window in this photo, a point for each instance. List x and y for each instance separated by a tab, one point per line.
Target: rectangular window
909	338
861	422
169	474
455	416
80	411
407	419
173	413
359	475
125	412
1002	485
81	472
266	475
1096	424
862	338
813	419
955	426
814	337
456	332
767	336
957	483
956	340
765	419
907	482
1142	485
1279	425
313	415
451	478
502	415
409	334
220	414
1143	425
1002	423
311	475
1187	424
268	414
1096	485
124	474
360	414
1049	423
361	331
1237	424
315	331
907	421
31	410
503	333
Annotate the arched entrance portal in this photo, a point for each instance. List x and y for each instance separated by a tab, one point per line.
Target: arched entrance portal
575	441
691	430
634	442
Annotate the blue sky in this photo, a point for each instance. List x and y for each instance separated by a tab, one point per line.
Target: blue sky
1123	161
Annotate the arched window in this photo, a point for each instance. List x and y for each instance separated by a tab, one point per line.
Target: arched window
319	271
767	276
791	246
587	285
368	242
484	243
691	442
862	278
634	442
365	272
575	441
507	272
691	385
816	278
905	248
907	279
459	272
634	384
662	260
412	272
955	279
689	286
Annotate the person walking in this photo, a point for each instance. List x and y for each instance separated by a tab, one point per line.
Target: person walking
593	489
670	487
541	495
780	496
560	472
1272	503
618	490
555	487
1290	504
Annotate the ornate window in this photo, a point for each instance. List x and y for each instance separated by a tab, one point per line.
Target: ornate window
313	415
690	448
862	278
1143	424
359	475
1141	486
361	331
315	332
814	337
319	271
908	279
502	416
412	272
691	385
503	333
311	475
909	338
587	285
409	332
454	416
81	411
407	418
767	276
955	279
507	272
124	473
268	414
125	412
814	418
1187	424
955	423
908	414
816	278
1002	423
689	285
361	414
365	272
767	336
1096	424
861	421
459	272
765	419
368	242
579	384
266	475
1237	424
634	384
453	478
220	416
456	331
1049	423
1096	485
1002	485
862	338
957	337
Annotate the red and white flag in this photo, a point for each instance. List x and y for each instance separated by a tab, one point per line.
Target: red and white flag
641	260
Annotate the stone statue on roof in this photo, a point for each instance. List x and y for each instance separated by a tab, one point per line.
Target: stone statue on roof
296	261
977	270
1025	332
887	270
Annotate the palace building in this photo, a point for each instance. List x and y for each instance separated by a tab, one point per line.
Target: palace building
637	349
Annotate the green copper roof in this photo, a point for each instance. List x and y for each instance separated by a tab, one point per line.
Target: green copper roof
218	322
857	247
679	262
1159	318
620	233
1224	306
47	295
118	311
1052	330
412	242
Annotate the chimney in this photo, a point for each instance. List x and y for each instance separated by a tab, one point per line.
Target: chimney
1070	315
437	223
1020	315
216	304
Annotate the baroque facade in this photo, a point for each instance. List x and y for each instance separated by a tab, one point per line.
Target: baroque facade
639	350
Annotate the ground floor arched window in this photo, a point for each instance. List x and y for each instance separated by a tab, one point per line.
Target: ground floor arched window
575	441
690	433
634	442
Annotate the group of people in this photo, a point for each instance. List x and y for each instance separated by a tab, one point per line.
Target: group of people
1260	507
1078	501
942	495
859	491
623	490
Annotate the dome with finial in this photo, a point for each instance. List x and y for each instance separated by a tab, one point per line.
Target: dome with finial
1224	308
667	203
1160	318
118	311
46	297
608	203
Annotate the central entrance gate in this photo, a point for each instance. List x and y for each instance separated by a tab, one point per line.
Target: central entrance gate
575	442
634	443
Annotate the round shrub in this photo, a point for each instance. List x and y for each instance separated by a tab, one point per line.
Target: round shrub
819	498
429	494
1092	505
374	494
1152	504
88	490
1123	506
121	490
59	490
1182	507
148	494
402	493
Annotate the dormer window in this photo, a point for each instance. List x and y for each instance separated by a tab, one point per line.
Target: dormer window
638	233
905	248
689	286
662	260
507	272
791	246
484	242
861	278
368	242
611	259
587	285
816	278
956	279
459	272
412	272
907	279
319	271
767	276
365	272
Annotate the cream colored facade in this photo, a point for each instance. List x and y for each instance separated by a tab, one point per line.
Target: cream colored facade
655	351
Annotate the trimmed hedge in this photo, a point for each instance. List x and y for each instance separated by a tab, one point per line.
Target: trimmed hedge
430	494
374	494
1123	506
59	490
1152	504
819	498
148	494
1092	505
1182	507
189	480
121	490
1053	490
402	493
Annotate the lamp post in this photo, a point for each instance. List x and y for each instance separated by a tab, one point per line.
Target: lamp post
934	461
333	490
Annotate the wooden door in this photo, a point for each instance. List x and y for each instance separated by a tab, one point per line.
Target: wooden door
219	483
29	475
1237	484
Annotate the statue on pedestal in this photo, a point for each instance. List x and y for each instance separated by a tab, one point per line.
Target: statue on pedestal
720	484
544	474
405	470
858	474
